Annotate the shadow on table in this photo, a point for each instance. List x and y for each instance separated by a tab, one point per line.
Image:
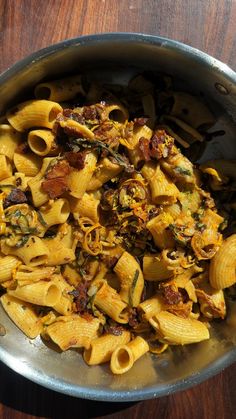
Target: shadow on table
18	393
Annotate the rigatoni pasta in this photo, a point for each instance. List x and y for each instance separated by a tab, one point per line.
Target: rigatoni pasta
109	241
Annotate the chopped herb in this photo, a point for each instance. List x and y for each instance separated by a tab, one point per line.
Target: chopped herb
22	241
132	288
85	143
41	219
183	171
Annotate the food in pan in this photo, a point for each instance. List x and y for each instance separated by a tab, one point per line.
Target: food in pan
111	239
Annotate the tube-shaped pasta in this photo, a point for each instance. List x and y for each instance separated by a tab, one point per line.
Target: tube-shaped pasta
27	275
131	279
9	140
43	293
23	315
59	90
134	152
5	167
155	268
158	227
87	206
58	252
101	349
33	113
64	305
81	130
116	112
78	180
109	301
29	163
32	253
163	190
104	172
222	272
151	306
55	213
38	195
42	142
178	330
73	331
7	265
124	356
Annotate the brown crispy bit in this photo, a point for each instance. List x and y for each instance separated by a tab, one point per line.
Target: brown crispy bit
109	261
76	160
113	328
23	148
144	148
170	295
60	169
140	121
133	317
76	116
55	187
81	297
90	113
16	196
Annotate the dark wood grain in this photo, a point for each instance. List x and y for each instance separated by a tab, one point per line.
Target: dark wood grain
28	25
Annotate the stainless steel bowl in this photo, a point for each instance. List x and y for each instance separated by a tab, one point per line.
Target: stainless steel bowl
115	58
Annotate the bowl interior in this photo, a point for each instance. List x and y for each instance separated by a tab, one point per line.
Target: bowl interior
115	59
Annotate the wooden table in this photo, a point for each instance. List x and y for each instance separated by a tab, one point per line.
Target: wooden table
28	25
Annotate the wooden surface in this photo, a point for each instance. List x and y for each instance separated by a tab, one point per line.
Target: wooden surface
27	25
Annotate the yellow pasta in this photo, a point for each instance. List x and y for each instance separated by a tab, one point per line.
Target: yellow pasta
79	179
5	167
131	279
23	315
109	238
101	349
223	265
41	293
29	163
33	113
56	212
179	331
109	301
7	265
59	90
73	332
9	140
42	142
124	356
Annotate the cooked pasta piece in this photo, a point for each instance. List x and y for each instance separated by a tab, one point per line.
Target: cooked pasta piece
9	140
73	331
109	301
163	189
5	167
42	142
131	279
33	113
55	212
101	349
60	90
222	272
7	266
32	253
124	356
177	330
23	315
43	293
80	179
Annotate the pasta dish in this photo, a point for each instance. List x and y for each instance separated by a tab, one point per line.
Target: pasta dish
112	240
